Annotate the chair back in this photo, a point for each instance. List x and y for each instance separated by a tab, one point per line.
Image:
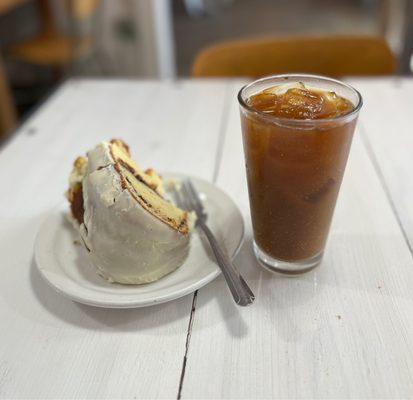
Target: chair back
332	56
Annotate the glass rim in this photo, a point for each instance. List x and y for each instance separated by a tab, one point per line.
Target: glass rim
273	118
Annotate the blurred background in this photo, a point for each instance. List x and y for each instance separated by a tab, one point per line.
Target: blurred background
43	42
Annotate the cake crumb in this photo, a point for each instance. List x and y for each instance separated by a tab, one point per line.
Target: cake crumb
173	184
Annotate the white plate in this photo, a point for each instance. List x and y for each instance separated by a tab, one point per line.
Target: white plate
63	262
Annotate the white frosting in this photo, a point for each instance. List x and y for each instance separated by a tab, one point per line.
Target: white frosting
99	157
126	243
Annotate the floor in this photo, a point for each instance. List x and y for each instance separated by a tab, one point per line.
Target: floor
247	18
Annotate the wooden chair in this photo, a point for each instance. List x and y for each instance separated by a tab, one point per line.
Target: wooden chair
7	108
332	56
51	47
8	115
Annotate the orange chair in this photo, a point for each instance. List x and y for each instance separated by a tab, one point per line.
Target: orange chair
52	48
7	108
333	56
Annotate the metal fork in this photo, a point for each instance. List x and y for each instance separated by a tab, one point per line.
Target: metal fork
189	200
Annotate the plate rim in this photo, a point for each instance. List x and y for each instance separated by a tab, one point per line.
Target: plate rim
133	303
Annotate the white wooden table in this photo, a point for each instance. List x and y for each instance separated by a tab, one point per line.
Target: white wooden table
344	330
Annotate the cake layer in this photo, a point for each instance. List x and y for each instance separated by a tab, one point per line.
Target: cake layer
75	193
152	202
120	153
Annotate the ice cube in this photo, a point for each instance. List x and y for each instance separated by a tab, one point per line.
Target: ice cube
281	89
302	103
296	101
336	105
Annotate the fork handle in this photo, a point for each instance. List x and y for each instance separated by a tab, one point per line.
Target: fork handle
240	291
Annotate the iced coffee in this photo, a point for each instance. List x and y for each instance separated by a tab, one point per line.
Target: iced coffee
297	132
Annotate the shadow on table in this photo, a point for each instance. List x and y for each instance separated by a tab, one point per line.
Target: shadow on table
356	269
276	298
95	318
231	314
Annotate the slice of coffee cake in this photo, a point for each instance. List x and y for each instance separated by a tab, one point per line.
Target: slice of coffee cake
132	233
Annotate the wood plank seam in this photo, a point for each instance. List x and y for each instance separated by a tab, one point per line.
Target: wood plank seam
188	339
218	158
372	156
222	133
